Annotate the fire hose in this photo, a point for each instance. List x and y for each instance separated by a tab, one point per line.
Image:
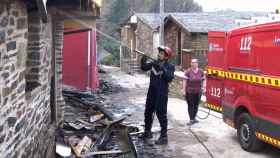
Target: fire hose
143	54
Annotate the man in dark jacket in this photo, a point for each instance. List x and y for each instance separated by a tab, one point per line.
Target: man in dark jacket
161	74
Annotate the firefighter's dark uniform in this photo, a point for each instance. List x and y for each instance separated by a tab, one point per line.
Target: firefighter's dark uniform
157	96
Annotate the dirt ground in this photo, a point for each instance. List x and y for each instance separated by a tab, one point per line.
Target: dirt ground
184	142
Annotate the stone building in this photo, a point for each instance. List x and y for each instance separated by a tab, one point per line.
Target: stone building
141	32
31	102
185	33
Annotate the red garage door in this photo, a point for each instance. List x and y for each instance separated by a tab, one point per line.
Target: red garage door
75	59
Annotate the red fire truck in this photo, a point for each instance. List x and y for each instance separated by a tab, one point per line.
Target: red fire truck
243	82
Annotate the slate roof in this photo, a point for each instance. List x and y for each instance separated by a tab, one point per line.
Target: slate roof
217	21
200	22
151	19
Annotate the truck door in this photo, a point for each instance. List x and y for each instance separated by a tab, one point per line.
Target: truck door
267	93
242	63
215	67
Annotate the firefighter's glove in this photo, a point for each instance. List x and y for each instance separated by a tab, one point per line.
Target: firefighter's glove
157	65
143	60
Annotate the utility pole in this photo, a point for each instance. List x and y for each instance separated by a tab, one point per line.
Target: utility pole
161	12
133	6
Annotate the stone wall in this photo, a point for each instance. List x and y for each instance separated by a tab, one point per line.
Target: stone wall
144	38
172	30
186	40
13	43
144	43
25	70
199	41
58	46
200	47
171	37
125	57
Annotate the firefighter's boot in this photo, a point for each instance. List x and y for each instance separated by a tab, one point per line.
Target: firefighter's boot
162	140
146	135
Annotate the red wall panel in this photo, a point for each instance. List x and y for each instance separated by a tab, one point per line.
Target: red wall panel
75	58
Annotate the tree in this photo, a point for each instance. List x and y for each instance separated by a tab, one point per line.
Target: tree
170	6
119	11
182	6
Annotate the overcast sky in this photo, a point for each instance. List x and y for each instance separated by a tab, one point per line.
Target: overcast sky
240	5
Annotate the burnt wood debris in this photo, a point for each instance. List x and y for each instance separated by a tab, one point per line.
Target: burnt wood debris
90	130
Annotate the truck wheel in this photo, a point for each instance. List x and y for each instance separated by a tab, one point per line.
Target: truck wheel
246	129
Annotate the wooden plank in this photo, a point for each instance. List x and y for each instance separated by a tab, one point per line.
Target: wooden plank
103	153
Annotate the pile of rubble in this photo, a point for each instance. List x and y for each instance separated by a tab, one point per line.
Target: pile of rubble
106	88
89	130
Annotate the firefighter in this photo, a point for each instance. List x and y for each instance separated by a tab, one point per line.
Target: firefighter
162	74
194	85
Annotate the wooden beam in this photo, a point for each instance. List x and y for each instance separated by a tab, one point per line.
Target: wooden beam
42	8
103	153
